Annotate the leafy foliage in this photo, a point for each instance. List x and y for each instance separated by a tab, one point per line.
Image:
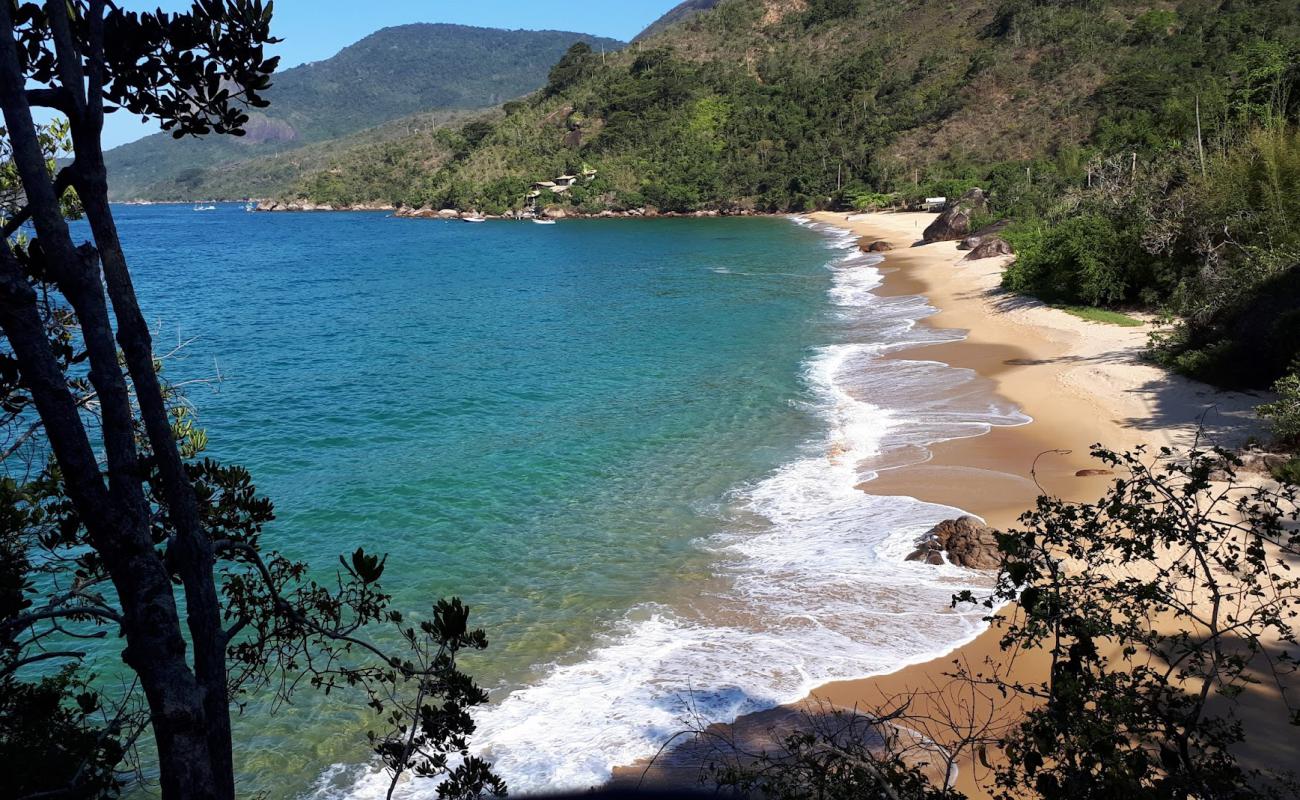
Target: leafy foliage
1160	605
1283	414
106	542
1158	609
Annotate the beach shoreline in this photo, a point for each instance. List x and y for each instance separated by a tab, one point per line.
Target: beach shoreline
1082	383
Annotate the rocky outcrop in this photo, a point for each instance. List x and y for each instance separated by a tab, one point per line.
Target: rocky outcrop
558	212
303	205
292	205
989	247
417	213
955	221
874	245
966	541
1253	461
973	241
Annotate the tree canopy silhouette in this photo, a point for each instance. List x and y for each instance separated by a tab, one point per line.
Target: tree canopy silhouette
113	526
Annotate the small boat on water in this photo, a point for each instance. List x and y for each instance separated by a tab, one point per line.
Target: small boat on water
250	206
473	219
201	207
543	222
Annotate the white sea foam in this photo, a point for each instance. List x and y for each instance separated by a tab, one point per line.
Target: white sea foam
816	585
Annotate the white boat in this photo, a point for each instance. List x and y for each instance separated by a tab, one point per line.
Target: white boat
473	219
205	208
543	222
250	206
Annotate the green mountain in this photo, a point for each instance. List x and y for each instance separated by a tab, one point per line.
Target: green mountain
1137	153
393	73
787	104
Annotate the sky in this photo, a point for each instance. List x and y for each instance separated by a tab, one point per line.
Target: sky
317	29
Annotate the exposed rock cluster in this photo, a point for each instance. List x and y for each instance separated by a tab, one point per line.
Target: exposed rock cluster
973	241
955	221
302	205
966	541
1253	461
874	245
989	247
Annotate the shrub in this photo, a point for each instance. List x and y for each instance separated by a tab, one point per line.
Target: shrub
1283	414
872	201
1288	473
820	11
1085	259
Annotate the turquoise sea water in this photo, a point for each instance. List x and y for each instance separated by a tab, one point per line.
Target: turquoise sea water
630	446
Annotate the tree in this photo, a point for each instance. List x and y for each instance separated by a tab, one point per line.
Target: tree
570	69
113	524
1160	605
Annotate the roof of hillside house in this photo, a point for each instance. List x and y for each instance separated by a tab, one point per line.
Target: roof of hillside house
544	184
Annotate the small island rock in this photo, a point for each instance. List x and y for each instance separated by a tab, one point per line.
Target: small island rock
967	541
874	246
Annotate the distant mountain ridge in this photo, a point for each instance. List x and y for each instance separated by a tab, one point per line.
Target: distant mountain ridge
393	73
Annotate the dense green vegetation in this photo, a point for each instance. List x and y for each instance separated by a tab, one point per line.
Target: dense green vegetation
392	74
387	163
765	105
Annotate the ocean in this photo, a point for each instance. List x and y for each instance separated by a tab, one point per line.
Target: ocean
633	447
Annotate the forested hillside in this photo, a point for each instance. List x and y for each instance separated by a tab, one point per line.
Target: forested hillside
788	104
391	74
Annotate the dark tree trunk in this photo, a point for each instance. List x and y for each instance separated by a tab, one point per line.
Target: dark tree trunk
189	708
191	553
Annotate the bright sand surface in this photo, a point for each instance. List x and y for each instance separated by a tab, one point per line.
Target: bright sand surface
1082	383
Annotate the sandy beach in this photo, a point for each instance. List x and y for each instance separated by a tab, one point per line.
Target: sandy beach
1082	383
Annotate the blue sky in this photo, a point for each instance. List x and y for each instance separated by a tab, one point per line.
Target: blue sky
316	29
